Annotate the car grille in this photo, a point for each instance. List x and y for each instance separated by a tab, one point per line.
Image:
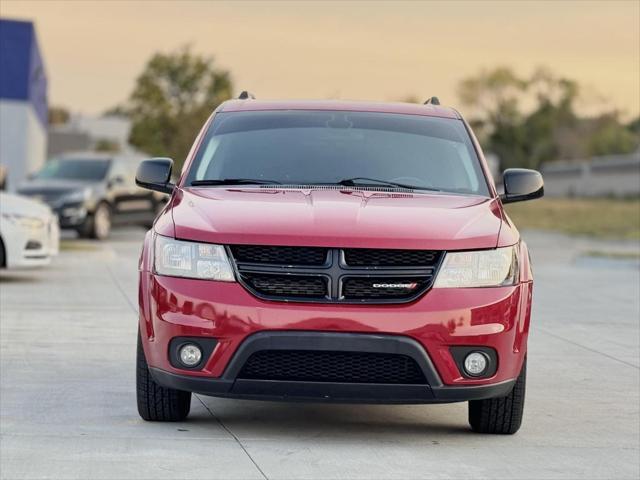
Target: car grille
332	366
381	287
280	255
287	285
335	275
370	257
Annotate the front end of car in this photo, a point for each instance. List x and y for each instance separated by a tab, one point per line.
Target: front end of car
30	233
71	205
334	324
369	261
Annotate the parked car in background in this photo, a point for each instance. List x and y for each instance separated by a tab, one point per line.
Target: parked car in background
90	192
29	233
3	177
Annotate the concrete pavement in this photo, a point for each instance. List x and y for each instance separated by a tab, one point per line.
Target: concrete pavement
67	393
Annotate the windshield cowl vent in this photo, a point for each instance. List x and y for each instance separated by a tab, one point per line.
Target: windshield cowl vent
336	187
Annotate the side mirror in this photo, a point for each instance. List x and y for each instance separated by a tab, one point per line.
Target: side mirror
521	184
155	174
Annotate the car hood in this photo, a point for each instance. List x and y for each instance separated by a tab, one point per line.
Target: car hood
336	217
17	205
48	187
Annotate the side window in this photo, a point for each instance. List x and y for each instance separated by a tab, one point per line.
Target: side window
204	169
119	173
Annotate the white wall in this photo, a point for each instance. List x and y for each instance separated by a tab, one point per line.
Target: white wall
114	129
615	175
23	141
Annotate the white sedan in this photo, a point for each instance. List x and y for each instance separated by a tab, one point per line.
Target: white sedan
29	232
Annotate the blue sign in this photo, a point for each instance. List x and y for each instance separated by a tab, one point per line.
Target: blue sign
22	74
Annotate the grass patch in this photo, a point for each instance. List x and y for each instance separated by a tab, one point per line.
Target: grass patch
613	255
74	245
601	218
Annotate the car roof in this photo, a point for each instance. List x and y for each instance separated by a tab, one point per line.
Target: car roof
92	155
339	105
83	155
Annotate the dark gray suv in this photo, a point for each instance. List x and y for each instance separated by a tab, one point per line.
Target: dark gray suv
90	192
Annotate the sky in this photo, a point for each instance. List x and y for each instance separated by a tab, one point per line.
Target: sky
94	50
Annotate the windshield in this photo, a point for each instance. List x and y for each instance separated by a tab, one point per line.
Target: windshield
75	169
331	147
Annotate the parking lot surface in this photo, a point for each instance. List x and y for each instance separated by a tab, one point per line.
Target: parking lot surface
68	410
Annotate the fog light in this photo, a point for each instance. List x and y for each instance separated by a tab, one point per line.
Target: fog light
476	363
190	355
33	245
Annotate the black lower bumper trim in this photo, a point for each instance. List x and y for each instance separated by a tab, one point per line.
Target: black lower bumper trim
229	385
329	392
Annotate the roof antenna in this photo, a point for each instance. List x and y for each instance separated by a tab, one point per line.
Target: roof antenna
244	95
432	101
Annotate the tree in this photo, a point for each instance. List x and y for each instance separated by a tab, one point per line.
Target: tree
106	145
493	94
610	137
634	126
494	97
58	115
549	128
171	100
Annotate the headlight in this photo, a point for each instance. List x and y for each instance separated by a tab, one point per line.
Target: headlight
76	196
481	268
193	260
23	220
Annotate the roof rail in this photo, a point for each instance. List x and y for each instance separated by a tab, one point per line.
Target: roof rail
244	95
432	101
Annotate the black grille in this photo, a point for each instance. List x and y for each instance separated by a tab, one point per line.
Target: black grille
382	287
331	366
318	274
287	285
279	255
369	257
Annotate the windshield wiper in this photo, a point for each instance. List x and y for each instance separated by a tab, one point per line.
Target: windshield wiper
366	181
233	181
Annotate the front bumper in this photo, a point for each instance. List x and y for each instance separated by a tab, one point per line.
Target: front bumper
28	247
497	318
231	385
71	215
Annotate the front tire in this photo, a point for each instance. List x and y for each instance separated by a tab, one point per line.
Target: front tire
157	403
502	415
157	208
97	225
3	255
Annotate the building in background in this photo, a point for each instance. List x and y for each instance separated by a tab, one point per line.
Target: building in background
83	132
23	101
608	176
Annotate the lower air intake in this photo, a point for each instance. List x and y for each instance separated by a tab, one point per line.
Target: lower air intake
332	366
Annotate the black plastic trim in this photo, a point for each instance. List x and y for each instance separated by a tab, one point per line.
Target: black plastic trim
329	392
155	174
521	184
336	270
206	345
228	385
349	342
459	353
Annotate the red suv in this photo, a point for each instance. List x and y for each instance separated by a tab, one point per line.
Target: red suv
335	252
